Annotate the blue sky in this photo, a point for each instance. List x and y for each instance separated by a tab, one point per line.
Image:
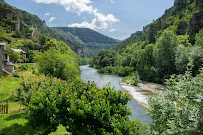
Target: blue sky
114	18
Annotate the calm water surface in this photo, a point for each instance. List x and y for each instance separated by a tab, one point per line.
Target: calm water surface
87	73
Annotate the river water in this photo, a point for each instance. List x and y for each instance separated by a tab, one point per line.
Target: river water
91	74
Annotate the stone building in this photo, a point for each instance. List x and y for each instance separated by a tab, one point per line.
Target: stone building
21	53
5	65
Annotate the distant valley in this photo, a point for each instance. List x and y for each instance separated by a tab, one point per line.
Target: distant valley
91	40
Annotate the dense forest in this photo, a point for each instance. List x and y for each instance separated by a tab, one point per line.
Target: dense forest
91	40
164	47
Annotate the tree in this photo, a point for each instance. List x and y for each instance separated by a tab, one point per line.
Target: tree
182	58
54	63
199	38
178	109
81	107
15	56
164	53
51	44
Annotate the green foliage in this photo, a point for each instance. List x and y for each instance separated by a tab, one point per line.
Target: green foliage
82	108
17	34
164	53
84	60
54	63
109	69
181	58
199	38
51	44
183	40
178	110
58	60
91	40
132	79
104	58
15	57
7	24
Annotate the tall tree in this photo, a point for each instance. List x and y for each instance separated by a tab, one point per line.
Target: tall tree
164	53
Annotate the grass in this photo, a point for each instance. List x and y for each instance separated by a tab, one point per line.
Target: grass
7	85
15	123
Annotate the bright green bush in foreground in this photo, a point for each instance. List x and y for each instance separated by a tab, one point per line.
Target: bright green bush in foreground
179	109
81	107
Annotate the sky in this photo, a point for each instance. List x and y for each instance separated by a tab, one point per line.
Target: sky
115	18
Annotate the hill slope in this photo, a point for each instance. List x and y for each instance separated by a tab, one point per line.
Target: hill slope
92	41
18	26
185	17
164	47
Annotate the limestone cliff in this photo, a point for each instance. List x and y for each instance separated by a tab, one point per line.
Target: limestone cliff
177	1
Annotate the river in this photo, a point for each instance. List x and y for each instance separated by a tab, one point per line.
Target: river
91	74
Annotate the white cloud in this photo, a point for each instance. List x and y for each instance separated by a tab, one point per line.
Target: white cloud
99	22
81	25
51	19
79	6
47	14
112	1
113	30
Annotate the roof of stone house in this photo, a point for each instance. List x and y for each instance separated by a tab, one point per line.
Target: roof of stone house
17	50
2	44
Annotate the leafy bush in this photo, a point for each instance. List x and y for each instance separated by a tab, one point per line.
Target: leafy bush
82	108
133	79
108	69
178	110
58	60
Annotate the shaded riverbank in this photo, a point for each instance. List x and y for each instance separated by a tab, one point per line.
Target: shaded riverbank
141	92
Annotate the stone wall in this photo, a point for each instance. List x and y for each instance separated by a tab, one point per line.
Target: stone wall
9	68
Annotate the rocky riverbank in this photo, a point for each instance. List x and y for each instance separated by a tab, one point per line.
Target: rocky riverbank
142	91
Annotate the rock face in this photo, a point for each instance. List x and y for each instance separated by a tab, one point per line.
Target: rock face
177	1
196	23
7	13
2	1
199	4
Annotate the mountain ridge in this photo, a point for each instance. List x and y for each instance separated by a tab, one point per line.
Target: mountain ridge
92	40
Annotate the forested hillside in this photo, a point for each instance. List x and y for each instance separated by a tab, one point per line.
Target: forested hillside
92	40
164	47
20	29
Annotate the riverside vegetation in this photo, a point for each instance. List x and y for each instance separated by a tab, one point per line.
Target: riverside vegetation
164	47
54	100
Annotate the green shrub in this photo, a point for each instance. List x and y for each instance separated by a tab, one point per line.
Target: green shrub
133	79
82	108
178	109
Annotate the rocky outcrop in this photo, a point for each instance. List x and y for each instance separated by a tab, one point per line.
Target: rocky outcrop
182	28
153	30
2	1
7	13
196	23
80	51
199	4
177	1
